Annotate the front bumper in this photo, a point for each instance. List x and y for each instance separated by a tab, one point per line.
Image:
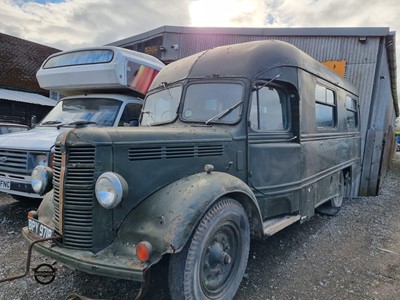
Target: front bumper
104	263
20	186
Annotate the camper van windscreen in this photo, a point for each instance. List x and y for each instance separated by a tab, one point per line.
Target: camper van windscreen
84	57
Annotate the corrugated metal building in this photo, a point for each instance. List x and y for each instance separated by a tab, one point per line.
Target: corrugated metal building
19	107
367	56
20	94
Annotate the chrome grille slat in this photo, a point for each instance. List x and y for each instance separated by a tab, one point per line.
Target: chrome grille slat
78	196
15	161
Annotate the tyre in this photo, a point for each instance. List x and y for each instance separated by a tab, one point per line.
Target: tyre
332	207
213	261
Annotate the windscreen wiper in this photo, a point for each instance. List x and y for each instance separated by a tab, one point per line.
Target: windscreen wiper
51	122
223	113
78	123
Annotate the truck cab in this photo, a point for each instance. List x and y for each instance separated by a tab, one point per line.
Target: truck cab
235	142
101	87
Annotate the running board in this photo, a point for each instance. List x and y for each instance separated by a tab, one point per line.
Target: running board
274	225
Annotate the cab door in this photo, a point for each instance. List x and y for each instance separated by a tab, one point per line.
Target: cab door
274	151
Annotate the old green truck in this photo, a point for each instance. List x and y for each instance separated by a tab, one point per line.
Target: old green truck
234	143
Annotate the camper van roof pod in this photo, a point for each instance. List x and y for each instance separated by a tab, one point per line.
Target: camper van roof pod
95	69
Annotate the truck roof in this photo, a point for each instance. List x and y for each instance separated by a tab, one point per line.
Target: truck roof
102	68
246	60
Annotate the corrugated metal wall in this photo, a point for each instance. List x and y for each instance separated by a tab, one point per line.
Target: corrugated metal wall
361	57
366	67
381	123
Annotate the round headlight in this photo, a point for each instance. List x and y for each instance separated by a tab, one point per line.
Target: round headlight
41	179
110	189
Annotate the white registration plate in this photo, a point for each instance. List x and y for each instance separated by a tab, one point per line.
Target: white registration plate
5	184
39	228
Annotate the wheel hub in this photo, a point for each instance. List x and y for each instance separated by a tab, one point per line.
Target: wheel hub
218	260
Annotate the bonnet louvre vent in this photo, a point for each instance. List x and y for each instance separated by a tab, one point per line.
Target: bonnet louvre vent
175	152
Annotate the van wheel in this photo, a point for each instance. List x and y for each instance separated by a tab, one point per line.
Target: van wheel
332	207
213	261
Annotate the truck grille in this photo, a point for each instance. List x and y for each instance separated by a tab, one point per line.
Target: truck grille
73	212
168	152
14	161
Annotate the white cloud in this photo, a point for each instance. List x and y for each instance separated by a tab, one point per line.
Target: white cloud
227	13
76	23
336	13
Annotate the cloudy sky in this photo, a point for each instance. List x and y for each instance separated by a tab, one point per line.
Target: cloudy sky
67	24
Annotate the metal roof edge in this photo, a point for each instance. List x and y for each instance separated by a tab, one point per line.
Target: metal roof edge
267	31
391	55
26	97
142	36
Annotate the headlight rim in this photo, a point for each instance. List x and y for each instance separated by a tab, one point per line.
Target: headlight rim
45	175
119	185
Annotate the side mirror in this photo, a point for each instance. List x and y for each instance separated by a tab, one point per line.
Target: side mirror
33	121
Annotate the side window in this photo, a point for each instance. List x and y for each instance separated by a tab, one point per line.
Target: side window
130	115
269	109
325	106
351	112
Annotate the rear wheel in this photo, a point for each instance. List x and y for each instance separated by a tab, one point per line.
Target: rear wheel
332	207
213	262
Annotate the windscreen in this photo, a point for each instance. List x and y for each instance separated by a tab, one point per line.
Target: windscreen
162	106
96	111
205	103
213	103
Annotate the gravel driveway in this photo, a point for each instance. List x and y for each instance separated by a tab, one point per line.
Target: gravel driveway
355	255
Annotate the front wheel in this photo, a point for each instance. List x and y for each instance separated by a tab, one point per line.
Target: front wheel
213	262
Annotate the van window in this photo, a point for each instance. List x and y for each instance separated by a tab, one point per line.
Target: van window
130	115
218	102
269	109
325	106
351	112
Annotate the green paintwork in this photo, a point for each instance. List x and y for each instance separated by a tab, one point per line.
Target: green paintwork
284	170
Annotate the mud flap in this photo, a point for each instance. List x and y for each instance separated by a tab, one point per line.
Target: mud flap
327	210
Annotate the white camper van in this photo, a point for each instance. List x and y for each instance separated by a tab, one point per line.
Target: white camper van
104	86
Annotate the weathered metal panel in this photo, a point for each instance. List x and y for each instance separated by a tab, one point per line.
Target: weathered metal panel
365	175
383	105
376	155
367	66
362	76
381	119
388	150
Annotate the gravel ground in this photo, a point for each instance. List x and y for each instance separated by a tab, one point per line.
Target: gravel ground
355	255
